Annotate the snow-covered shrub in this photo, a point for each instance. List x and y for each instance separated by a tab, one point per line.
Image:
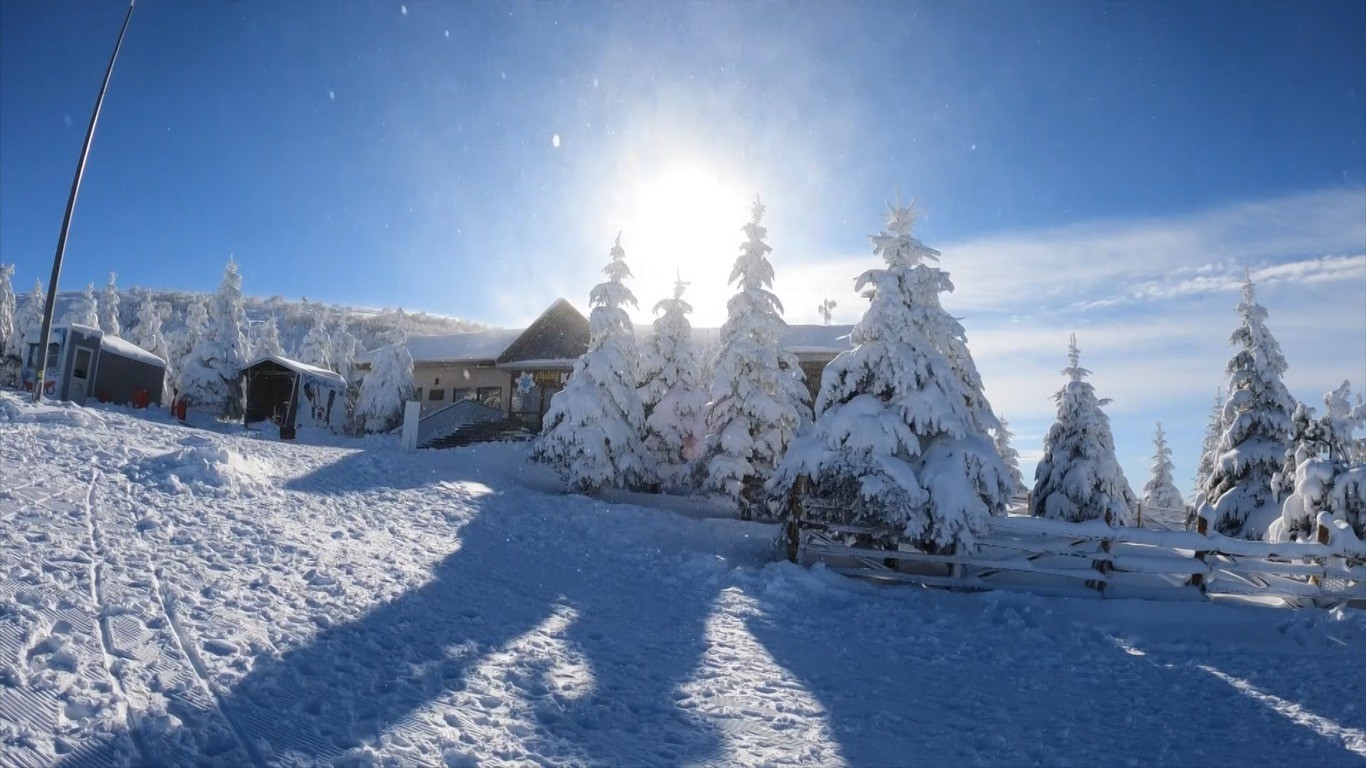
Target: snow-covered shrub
316	349
265	338
1327	476
180	343
109	308
385	389
897	444
209	376
592	433
82	310
1257	428
671	392
28	322
1079	477
758	400
1161	499
343	351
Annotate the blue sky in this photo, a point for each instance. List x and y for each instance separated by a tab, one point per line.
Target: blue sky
1109	168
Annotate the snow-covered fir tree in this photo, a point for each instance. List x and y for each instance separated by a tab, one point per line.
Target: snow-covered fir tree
109	307
147	334
1009	456
28	322
209	377
1327	475
593	432
265	338
671	391
8	307
343	352
1162	501
758	401
1079	477
896	444
83	309
316	349
182	342
388	385
1209	449
1257	429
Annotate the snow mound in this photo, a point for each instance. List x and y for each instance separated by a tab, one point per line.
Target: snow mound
17	411
207	467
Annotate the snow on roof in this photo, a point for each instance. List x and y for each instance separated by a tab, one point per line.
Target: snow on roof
129	349
303	369
468	346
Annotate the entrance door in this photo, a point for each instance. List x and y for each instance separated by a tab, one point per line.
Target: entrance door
80	376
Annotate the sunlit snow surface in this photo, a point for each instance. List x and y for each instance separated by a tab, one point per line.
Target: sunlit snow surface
177	596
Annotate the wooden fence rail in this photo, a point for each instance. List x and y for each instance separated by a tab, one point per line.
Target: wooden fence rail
1037	555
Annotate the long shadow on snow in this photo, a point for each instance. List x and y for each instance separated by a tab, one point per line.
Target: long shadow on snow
366	469
518	567
955	680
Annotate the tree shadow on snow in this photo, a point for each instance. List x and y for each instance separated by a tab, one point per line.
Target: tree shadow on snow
989	679
521	639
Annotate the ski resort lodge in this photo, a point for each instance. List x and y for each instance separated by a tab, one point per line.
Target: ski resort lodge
516	371
85	362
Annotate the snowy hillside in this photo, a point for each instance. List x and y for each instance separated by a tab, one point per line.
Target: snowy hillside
295	318
177	596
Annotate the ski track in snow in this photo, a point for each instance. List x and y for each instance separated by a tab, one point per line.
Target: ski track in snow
176	596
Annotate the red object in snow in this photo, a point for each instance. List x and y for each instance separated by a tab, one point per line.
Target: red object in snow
142	398
179	407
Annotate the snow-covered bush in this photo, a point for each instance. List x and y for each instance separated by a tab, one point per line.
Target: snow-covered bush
83	310
28	322
209	376
109	308
1079	477
758	400
180	343
1161	499
896	444
343	351
593	432
1328	476
672	393
385	389
1257	428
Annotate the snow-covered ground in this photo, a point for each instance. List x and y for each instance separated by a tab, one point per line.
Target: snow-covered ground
176	596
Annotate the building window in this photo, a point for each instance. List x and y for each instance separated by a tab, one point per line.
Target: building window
461	395
491	396
53	350
436	395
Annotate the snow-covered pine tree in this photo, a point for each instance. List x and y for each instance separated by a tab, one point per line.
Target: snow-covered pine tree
1327	474
1079	477
181	342
82	310
343	351
672	392
758	401
109	307
387	386
896	444
316	349
209	376
1209	450
1009	456
1257	428
1161	500
265	338
28	323
147	334
8	307
592	433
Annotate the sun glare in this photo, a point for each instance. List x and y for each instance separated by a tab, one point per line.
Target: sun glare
685	220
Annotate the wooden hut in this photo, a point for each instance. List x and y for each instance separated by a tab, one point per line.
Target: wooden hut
291	394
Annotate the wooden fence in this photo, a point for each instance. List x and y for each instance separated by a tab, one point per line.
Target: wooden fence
1047	556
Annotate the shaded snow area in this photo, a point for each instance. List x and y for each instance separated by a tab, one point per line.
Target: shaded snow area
179	596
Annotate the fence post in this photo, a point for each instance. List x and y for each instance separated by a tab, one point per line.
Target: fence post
1322	535
1198	579
1139	512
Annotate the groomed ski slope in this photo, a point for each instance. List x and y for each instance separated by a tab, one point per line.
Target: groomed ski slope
178	596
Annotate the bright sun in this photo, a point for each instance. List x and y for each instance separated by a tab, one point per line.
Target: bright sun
685	220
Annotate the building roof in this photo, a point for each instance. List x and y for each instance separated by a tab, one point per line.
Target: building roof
115	345
303	369
465	347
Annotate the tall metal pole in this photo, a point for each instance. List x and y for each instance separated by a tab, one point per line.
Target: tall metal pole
41	373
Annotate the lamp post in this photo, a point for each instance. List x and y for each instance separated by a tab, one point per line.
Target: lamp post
43	335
